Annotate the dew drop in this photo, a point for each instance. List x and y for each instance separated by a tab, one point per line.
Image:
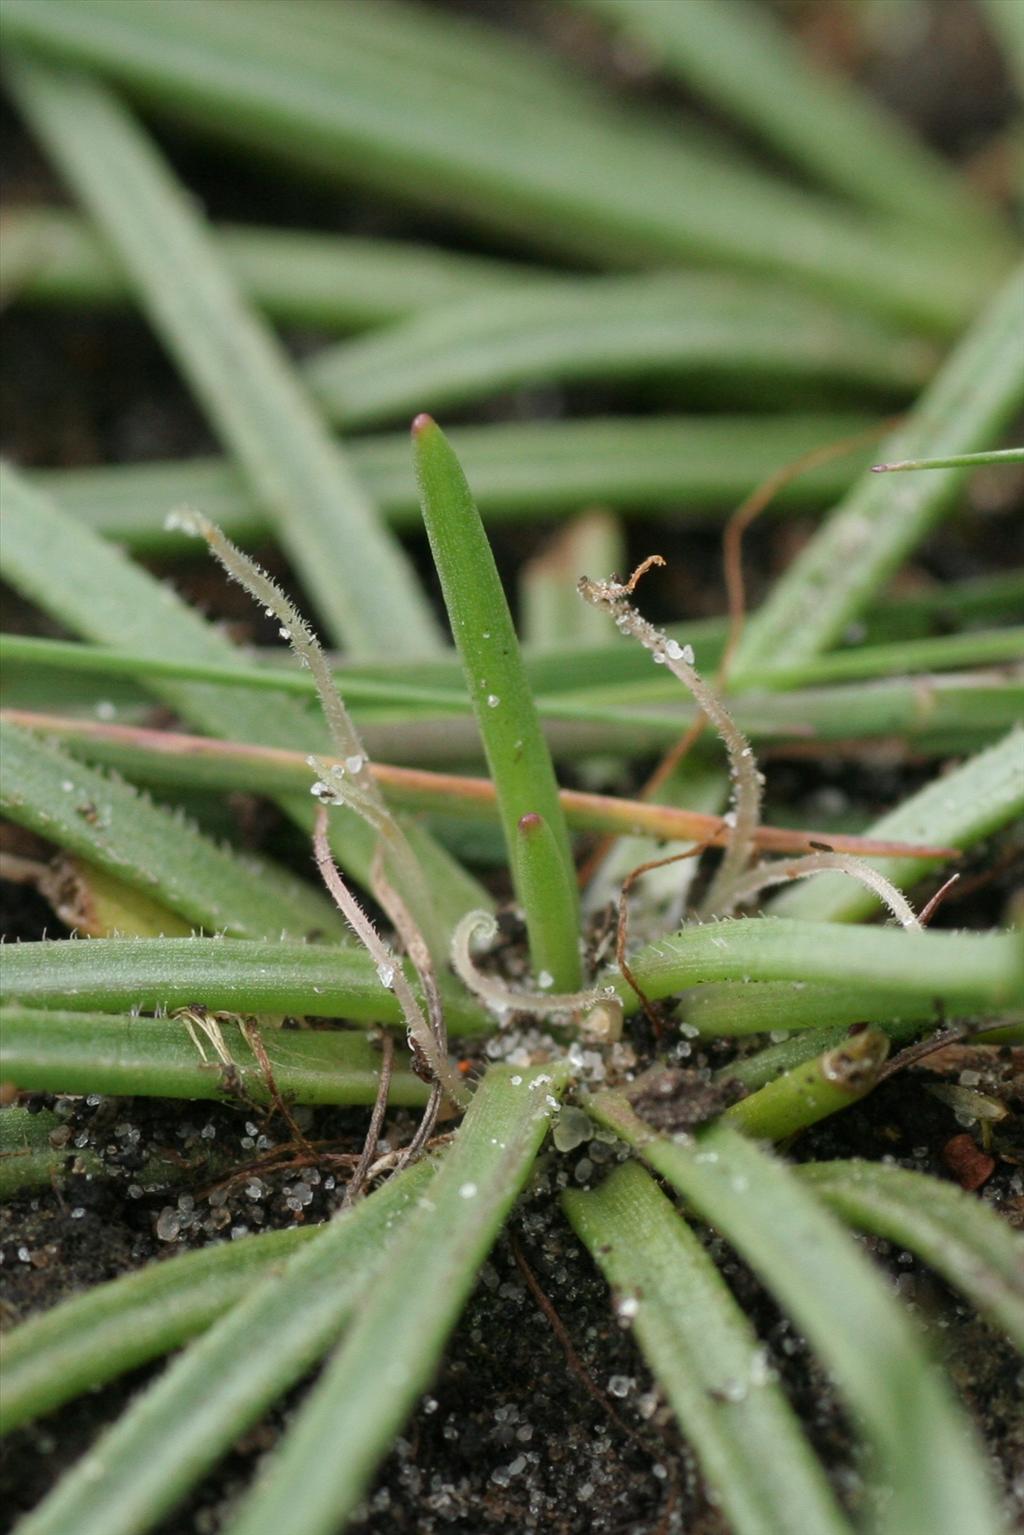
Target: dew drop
168	1224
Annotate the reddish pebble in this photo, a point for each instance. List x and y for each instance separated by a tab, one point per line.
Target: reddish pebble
970	1166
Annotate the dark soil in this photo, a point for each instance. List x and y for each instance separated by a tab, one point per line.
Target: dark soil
513	1432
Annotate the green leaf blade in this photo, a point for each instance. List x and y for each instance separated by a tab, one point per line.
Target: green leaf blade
335	282
240	975
922	1443
193	1412
971	400
743	60
517	753
706	1357
957	809
960	1237
697	466
582	176
234	365
968	971
115	1327
97	592
105	821
84	1052
389	1355
744	336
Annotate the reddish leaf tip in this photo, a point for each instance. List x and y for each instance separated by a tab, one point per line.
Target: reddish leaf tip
421	423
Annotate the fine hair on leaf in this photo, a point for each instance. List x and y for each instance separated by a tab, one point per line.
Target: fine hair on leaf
389	970
747	782
781	871
349	781
496	994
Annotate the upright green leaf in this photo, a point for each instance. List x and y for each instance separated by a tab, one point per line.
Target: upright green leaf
517	754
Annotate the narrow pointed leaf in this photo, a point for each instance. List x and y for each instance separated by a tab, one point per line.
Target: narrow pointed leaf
958	461
517	754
